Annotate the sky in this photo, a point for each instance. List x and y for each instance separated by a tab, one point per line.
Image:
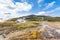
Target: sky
17	8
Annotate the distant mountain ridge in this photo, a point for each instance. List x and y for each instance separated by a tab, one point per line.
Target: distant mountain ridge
31	17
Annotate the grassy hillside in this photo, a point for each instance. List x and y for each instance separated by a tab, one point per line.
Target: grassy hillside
32	21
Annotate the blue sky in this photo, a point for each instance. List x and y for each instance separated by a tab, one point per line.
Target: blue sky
17	8
43	6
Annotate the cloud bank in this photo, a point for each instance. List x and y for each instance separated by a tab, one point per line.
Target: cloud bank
10	10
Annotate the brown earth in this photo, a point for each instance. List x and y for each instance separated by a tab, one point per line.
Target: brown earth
54	24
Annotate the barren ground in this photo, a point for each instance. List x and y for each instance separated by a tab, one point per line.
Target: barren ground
54	24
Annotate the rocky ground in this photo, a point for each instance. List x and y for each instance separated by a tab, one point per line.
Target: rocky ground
44	31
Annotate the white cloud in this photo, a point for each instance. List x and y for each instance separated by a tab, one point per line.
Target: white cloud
42	13
7	6
40	1
56	9
49	5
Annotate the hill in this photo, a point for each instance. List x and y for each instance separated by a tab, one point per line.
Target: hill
37	18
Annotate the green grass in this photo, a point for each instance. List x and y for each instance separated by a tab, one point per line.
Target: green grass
28	24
